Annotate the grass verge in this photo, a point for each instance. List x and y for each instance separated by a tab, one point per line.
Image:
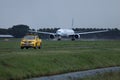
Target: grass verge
56	57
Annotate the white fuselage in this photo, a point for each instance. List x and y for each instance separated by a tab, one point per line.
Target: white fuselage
65	32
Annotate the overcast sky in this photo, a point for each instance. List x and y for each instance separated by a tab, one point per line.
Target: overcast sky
59	13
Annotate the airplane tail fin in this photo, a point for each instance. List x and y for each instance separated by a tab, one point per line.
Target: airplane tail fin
72	25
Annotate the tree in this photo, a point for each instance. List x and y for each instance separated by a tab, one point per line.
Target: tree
18	31
3	31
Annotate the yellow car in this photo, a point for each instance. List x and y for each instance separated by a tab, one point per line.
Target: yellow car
31	41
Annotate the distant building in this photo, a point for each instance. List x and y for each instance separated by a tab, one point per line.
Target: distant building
6	36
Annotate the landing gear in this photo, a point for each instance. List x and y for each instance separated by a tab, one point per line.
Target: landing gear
59	38
73	39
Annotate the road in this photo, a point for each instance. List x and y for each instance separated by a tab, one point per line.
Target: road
78	75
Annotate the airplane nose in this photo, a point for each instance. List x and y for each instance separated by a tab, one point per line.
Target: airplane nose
58	32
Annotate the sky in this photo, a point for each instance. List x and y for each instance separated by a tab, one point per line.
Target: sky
59	13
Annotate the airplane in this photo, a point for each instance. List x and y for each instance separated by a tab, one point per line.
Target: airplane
66	33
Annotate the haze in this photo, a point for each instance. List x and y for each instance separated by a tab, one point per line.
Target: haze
59	13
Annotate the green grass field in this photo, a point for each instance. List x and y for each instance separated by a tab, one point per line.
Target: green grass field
55	57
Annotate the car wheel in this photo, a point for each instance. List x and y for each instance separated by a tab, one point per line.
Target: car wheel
22	47
35	46
40	46
26	47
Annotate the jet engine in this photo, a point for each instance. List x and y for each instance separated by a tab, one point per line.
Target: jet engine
52	36
77	36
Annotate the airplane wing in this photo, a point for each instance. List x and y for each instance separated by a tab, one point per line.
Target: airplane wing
46	33
92	32
42	32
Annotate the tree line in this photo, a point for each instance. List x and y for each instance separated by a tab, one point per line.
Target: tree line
18	31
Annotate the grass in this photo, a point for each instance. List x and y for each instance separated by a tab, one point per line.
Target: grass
56	57
105	76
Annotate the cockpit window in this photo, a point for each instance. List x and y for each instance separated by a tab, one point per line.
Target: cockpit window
29	37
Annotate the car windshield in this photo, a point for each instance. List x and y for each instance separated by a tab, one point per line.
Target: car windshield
29	37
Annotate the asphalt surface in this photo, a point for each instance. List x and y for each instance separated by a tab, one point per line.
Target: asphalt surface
78	75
